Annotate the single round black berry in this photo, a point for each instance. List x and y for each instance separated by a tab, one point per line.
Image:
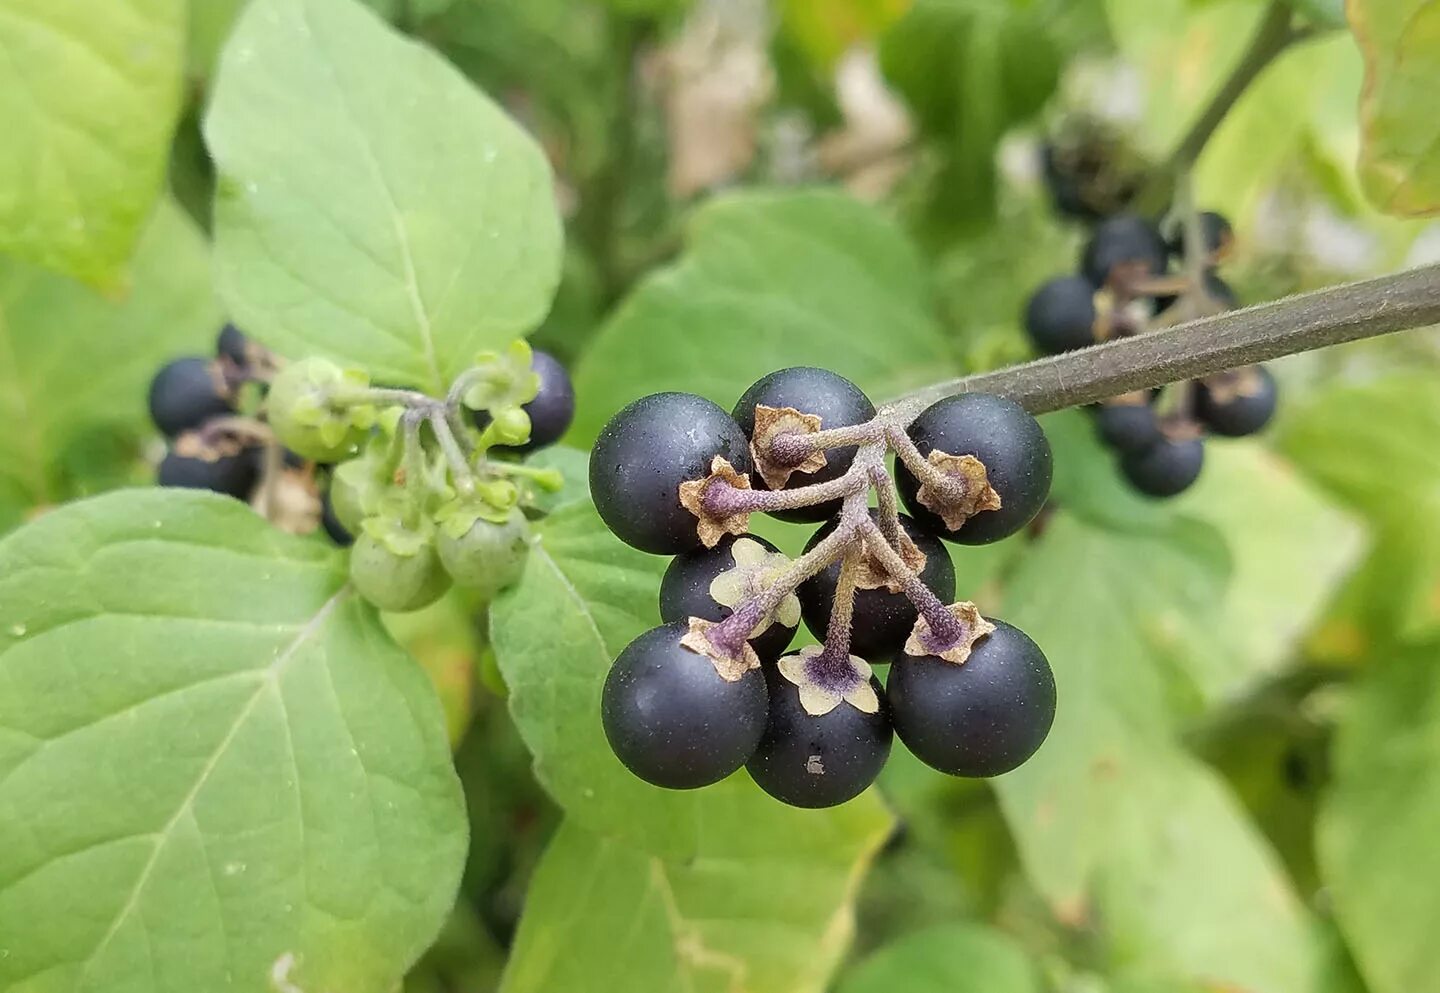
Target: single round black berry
981	718
670	717
1127	241
1061	315
1237	403
224	468
1006	440
1165	468
186	393
819	761
1216	235
1128	427
643	455
233	345
831	397
688	588
550	412
882	618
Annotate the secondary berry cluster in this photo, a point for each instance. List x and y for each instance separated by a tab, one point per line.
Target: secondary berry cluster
1126	286
429	490
713	689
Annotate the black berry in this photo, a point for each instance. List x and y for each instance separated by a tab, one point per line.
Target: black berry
1006	440
550	412
670	717
233	345
981	718
1125	243
1128	427
224	467
1237	403
818	761
882	619
1165	468
1060	317
686	590
1216	235
643	455
831	397
186	393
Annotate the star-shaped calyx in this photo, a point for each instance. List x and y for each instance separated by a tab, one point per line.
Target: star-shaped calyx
772	423
730	667
953	646
967	489
715	522
871	575
826	681
756	569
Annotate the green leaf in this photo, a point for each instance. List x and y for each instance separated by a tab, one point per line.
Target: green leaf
75	366
1373	447
765	905
769	280
1400	134
216	770
947	958
1117	826
1377	831
1325	13
373	207
89	95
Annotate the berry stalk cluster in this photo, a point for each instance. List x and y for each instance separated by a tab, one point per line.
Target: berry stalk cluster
688	703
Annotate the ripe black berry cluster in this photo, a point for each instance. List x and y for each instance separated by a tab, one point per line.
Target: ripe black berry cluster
713	688
1131	279
429	491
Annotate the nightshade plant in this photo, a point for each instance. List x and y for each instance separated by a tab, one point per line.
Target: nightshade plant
686	704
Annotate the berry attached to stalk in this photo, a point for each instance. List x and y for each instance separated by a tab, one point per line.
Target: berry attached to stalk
672	719
1237	403
397	571
550	411
1061	316
800	400
307	409
487	556
225	465
186	393
1167	468
1128	424
981	718
709	583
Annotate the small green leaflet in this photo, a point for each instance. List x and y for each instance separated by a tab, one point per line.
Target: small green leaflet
224	775
373	207
946	958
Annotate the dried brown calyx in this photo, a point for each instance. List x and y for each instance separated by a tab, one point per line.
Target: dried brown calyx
729	665
774	459
1227	387
954	641
966	490
872	575
712	502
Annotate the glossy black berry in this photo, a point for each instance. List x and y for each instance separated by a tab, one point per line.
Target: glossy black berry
227	470
882	619
1060	317
818	761
670	717
1236	404
1128	427
831	397
1216	235
1166	468
1125	240
233	345
643	455
981	718
686	591
551	411
185	394
1006	440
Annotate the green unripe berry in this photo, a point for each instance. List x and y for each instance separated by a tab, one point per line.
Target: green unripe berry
300	410
487	557
392	581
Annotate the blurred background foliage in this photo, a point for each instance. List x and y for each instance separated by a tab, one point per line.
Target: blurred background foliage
1242	790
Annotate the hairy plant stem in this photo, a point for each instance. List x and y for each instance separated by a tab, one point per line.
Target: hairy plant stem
725	500
454	454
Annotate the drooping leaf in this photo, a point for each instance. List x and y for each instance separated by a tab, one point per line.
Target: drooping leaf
216	770
75	365
764	905
1377	827
1117	825
1400	149
769	280
373	207
947	958
89	94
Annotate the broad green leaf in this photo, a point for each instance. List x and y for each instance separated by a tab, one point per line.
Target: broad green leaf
1400	150
1377	831
1373	447
1117	826
89	94
769	280
75	365
216	770
764	905
947	958
373	207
